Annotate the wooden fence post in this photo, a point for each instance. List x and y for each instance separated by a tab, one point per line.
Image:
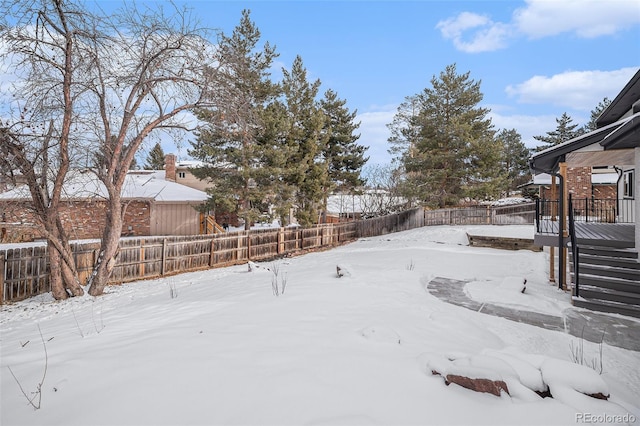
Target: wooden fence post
211	254
280	248
248	244
142	258
164	257
1	278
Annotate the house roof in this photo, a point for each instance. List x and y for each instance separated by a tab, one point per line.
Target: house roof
622	103
139	184
547	161
613	132
625	136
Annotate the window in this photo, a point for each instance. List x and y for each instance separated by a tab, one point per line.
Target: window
627	182
182	175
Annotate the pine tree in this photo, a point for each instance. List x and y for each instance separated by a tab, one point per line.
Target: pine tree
595	114
230	141
565	131
155	159
445	142
344	157
515	158
307	172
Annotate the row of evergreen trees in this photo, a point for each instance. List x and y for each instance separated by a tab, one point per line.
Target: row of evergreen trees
273	143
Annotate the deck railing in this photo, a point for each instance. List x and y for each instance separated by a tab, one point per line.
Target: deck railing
575	250
592	210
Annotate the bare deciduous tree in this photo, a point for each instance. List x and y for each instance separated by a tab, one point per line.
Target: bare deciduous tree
41	46
149	70
108	81
383	194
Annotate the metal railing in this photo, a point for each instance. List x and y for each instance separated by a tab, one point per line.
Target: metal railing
587	210
575	250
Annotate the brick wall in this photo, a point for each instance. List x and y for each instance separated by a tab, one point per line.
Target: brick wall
82	220
579	185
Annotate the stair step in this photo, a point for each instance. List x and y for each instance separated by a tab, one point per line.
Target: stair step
610	271
619	284
607	306
619	262
608	252
592	292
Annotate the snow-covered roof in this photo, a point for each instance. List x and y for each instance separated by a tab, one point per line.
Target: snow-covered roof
190	164
604	178
361	203
139	184
596	178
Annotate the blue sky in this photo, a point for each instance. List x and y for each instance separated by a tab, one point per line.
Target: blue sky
535	59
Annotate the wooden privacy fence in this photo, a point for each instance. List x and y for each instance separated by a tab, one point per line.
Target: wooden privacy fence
521	214
24	271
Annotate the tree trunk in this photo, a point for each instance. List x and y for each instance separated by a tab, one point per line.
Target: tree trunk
55	274
109	249
71	280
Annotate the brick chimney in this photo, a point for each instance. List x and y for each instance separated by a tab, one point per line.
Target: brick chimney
170	167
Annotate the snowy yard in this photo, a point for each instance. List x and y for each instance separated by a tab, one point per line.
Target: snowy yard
217	347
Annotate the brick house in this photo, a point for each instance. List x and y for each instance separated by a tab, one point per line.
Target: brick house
156	206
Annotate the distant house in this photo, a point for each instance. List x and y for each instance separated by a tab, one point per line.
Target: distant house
601	229
181	172
371	203
155	206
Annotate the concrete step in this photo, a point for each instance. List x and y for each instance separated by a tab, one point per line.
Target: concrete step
607	306
609	271
598	293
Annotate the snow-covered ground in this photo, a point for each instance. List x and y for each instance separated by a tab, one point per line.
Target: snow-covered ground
218	347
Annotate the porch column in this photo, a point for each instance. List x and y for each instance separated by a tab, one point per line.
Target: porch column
562	251
552	253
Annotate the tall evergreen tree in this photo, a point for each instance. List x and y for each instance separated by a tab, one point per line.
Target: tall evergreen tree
344	157
230	141
515	158
445	142
565	130
305	140
155	159
595	114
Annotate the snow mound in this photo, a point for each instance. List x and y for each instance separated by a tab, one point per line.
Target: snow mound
528	378
254	267
583	379
343	270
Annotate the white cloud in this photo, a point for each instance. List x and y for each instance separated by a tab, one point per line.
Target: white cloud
527	126
487	35
579	90
472	33
585	18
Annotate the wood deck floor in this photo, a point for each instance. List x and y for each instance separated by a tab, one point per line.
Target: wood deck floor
621	235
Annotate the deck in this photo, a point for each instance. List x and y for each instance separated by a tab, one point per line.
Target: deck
619	235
